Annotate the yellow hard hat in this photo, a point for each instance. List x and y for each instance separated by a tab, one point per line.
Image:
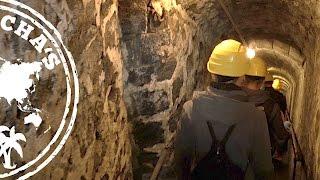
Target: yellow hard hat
276	84
257	67
228	59
268	77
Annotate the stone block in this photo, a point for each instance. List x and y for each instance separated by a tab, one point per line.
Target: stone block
146	103
132	16
166	70
140	76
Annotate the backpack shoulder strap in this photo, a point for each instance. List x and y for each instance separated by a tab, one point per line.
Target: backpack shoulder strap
227	135
213	136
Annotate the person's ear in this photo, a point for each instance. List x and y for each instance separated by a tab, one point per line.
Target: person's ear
240	81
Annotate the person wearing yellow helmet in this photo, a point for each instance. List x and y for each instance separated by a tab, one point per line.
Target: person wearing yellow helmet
228	62
254	80
274	94
221	118
256	74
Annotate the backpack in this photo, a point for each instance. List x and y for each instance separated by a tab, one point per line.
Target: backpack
216	165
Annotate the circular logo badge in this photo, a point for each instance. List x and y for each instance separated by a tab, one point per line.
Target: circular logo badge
39	91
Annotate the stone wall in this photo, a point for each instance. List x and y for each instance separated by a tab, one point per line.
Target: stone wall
165	62
153	64
309	129
137	68
100	144
127	58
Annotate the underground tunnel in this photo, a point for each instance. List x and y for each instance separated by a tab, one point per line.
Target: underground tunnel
139	61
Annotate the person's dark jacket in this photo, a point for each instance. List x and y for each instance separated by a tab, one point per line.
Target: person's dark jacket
278	134
249	144
278	97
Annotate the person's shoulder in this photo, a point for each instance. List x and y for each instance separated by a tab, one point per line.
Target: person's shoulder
188	105
195	97
252	110
187	108
255	110
199	94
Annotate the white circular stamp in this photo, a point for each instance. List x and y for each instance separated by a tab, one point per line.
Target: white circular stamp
38	86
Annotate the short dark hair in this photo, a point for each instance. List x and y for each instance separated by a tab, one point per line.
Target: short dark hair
222	79
254	79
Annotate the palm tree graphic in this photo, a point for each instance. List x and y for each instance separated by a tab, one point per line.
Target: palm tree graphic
7	143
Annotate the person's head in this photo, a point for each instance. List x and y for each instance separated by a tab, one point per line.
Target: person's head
228	62
268	80
256	74
227	79
253	82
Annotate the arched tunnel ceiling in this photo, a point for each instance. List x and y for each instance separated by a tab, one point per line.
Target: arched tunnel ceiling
290	21
274	61
277	72
293	22
288	64
281	56
282	31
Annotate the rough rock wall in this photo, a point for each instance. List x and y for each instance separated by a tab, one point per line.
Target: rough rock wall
307	22
158	78
296	27
128	57
165	61
99	147
310	120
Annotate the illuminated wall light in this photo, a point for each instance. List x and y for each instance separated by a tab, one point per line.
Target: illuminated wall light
251	53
